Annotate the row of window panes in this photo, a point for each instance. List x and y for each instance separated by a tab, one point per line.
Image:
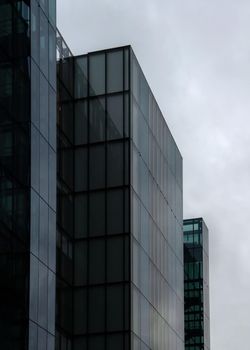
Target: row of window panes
43	43
153	242
43	168
161	223
43	231
43	105
151	195
39	339
149	326
108	73
99	261
117	167
148	110
97	309
152	283
193	270
42	295
98	212
91	126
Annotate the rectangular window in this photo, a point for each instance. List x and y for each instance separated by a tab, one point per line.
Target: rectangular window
96	261
115	211
97	214
97	166
81	123
115	310
44	44
115	259
96	314
81	180
80	263
115	164
81	82
96	120
81	216
80	314
115	117
97	74
115	71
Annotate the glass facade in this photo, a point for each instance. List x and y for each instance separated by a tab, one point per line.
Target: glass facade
90	196
119	222
196	284
156	224
28	173
43	175
93	237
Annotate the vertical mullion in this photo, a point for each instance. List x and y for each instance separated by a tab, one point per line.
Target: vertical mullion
106	228
129	194
88	211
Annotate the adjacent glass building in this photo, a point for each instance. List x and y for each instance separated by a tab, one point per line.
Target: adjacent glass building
196	285
91	241
28	174
119	232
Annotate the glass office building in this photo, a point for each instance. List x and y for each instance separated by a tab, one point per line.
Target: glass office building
28	173
196	284
91	242
119	236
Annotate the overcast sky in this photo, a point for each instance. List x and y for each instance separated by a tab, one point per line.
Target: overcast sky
196	57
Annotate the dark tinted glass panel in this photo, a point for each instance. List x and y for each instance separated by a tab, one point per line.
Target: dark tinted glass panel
52	11
44	43
33	336
126	115
35	217
115	314
50	342
126	69
80	263
115	211
35	94
44	171
43	234
43	296
96	261
52	178
44	5
81	123
115	341
115	117
52	118
80	314
44	103
80	344
35	158
97	166
117	164
80	169
34	288
97	213
115	259
96	342
42	339
51	301
96	314
35	31
81	222
81	85
96	120
52	55
115	71
97	74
